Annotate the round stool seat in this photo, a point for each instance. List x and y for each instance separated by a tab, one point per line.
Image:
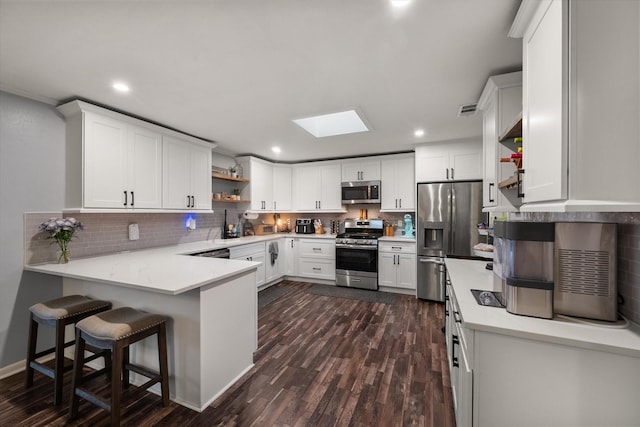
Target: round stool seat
68	306
118	324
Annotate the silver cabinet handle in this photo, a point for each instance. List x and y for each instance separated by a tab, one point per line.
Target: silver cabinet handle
452	176
447	173
316	269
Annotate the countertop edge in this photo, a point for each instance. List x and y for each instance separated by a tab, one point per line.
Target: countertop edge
624	342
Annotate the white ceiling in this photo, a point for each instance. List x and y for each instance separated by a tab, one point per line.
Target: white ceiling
238	71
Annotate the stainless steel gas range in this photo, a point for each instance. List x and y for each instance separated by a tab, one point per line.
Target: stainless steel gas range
357	253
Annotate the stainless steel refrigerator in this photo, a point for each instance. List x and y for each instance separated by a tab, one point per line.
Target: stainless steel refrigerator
447	219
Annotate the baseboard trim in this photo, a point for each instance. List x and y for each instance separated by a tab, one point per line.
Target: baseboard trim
20	366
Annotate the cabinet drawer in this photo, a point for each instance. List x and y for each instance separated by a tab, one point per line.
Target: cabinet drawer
318	268
247	250
317	248
397	247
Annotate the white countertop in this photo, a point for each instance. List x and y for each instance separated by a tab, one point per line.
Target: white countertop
165	269
397	239
466	275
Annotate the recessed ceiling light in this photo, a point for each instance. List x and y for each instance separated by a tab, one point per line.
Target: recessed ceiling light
276	149
399	3
341	123
418	132
120	87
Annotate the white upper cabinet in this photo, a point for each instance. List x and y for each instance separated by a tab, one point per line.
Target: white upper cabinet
122	165
115	161
317	187
501	105
361	170
449	161
187	175
282	176
398	185
260	188
581	104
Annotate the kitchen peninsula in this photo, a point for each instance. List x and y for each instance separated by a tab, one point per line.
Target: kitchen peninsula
211	305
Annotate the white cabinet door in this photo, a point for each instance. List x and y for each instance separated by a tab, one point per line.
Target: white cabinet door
465	161
318	268
544	133
406	271
331	198
398	185
489	141
432	164
275	270
387	269
105	162
405	184
282	188
144	181
361	170
449	161
176	176
291	256
308	187
261	175
317	188
200	177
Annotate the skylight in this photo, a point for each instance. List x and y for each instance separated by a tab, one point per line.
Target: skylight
333	124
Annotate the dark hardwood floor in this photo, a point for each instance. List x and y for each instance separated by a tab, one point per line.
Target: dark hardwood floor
321	361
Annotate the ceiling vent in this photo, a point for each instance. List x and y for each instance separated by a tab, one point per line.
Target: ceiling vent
467	110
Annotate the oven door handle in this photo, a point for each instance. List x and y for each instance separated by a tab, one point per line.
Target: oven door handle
367	248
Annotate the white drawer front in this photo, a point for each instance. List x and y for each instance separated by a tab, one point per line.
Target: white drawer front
397	247
318	268
318	249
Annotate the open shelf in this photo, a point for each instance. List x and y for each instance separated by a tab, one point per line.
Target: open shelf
511	182
227	177
515	130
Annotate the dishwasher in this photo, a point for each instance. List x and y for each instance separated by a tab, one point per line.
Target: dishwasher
215	253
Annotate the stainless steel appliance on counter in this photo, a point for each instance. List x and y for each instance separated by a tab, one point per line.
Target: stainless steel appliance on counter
448	214
305	226
357	254
586	270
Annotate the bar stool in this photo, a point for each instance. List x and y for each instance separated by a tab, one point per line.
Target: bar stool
116	330
58	313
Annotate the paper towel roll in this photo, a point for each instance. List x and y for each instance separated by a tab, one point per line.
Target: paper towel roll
250	215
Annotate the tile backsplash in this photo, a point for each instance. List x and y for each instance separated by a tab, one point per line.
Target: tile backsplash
628	250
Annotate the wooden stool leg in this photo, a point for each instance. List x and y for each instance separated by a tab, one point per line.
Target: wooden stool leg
31	349
76	381
116	382
58	372
125	369
164	369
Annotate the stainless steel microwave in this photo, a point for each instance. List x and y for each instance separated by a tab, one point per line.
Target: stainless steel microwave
360	192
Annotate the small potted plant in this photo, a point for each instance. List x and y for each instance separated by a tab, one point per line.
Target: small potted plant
236	193
233	171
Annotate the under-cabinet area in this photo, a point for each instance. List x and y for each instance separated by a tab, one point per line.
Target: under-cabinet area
510	370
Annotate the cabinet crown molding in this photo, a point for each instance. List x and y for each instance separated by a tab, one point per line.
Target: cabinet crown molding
73	108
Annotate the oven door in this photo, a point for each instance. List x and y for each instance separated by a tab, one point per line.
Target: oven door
357	258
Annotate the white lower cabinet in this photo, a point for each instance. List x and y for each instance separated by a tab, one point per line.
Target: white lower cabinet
253	252
274	266
397	265
291	256
500	380
317	258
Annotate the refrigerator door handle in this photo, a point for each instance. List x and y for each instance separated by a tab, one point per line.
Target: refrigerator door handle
432	261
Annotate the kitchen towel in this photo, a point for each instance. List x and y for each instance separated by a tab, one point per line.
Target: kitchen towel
273	251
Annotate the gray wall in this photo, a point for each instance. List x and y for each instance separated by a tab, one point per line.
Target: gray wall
32	165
